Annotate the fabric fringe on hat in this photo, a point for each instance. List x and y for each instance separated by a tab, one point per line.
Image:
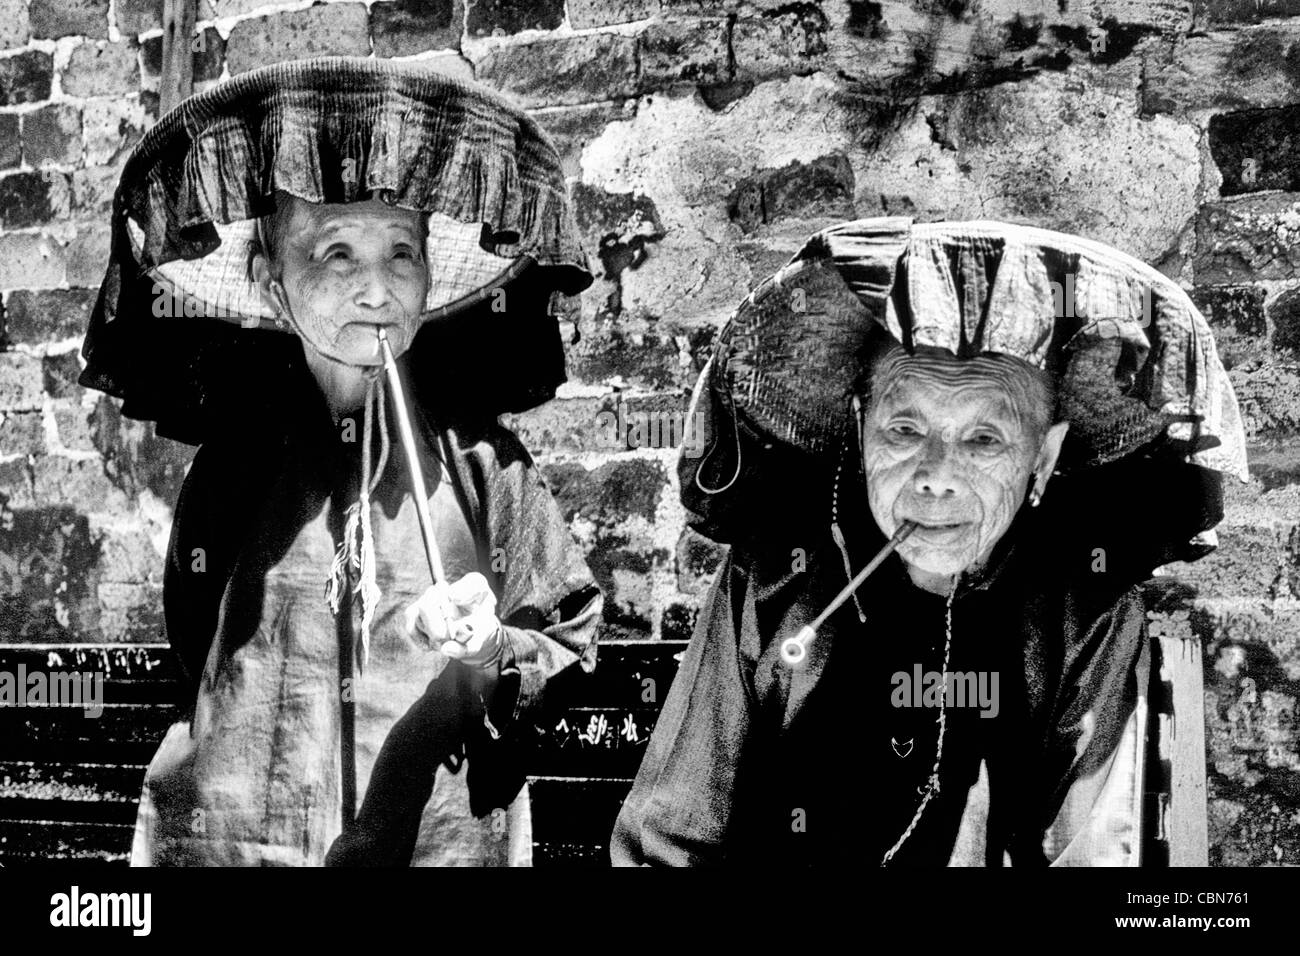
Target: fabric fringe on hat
340	129
357	549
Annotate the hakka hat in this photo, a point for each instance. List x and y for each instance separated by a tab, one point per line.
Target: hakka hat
1136	371
178	321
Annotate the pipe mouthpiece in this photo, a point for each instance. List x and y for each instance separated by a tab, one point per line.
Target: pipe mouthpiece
795	649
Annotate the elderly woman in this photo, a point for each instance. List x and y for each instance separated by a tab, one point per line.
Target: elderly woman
980	700
348	707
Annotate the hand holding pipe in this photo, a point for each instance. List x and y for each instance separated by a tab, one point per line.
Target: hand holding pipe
795	649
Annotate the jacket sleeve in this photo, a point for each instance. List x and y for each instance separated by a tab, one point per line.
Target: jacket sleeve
548	602
1097	747
200	555
680	806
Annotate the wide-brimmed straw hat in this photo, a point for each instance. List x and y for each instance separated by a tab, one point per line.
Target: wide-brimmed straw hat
177	316
1134	363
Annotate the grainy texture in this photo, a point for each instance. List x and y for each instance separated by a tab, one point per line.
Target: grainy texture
705	141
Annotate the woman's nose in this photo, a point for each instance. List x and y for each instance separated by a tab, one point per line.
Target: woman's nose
372	291
935	475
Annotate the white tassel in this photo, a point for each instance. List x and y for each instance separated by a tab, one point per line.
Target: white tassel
358	546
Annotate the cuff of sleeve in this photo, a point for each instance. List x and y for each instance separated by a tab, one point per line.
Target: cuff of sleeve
522	677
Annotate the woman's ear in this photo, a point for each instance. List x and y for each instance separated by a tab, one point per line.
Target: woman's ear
268	286
1048	454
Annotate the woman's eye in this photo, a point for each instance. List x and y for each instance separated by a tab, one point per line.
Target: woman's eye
337	254
903	430
405	253
985	439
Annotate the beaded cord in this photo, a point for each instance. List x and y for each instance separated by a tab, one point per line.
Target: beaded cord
932	786
836	533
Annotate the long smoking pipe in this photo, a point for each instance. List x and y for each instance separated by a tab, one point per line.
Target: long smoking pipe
795	649
412	460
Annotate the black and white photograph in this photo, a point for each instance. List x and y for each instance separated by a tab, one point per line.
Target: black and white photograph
837	437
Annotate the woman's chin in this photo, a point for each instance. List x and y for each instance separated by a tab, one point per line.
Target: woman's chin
940	562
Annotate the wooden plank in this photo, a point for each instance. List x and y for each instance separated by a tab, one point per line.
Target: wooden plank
593	742
177	80
575	812
133	662
123	734
23	842
1181	667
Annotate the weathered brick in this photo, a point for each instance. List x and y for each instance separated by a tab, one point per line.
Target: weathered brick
1253	67
562	71
563	427
112	127
25	77
678	622
697	561
30	261
21	382
49	555
617	226
102	69
58	480
584	14
1236	314
88	256
1284	316
334	29
15	24
1269	398
1249	11
92	191
718	96
135	457
37	317
622	557
128	613
73	423
52	134
52	19
1248	239
684	51
572	128
22	433
60	373
407	27
1274	465
139	16
1256	150
774	46
15	485
822	187
30	199
611	493
641	360
209	52
10	141
1250	562
504	17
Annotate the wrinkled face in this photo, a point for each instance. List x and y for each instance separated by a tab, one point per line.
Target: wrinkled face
348	269
952	444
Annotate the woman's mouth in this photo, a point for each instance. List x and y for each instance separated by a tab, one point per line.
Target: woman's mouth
939	530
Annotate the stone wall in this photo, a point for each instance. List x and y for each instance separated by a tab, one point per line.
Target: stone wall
704	142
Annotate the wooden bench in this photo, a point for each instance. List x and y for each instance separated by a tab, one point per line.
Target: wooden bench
69	784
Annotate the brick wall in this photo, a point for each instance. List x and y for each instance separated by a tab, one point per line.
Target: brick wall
704	141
